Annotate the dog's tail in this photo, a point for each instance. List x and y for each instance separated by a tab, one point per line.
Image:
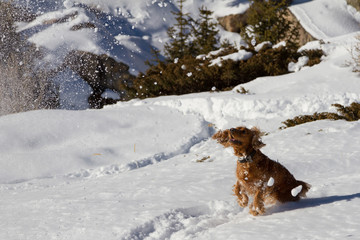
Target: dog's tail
305	188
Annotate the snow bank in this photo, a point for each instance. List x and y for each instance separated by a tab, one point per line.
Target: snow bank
48	143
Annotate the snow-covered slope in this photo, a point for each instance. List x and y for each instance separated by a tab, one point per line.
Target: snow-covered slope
125	30
340	18
121	30
149	169
65	141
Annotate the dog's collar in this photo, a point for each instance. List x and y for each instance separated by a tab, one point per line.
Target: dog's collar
247	158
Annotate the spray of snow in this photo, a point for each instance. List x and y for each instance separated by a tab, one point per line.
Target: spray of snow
296	191
271	182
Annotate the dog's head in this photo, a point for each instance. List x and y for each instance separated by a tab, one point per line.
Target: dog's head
242	139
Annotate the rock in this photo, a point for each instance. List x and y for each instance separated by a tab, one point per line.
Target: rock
304	36
233	23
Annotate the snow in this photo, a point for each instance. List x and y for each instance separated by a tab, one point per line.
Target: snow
73	91
121	30
148	169
261	45
135	171
270	182
280	44
56	37
323	19
237	56
111	94
294	67
60	141
296	191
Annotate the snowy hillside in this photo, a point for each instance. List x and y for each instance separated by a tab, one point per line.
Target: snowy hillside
125	30
148	169
340	18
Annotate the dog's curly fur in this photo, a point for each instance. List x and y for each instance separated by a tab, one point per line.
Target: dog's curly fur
258	176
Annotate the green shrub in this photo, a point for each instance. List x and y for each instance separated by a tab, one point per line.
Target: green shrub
190	74
314	56
272	61
349	113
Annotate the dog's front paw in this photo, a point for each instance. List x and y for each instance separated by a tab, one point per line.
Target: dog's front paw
256	210
243	201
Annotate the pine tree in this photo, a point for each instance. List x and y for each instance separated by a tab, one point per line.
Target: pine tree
156	57
205	32
268	21
179	34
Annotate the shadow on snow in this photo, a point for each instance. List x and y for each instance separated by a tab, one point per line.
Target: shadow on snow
312	202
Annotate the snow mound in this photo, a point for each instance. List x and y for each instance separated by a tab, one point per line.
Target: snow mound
62	142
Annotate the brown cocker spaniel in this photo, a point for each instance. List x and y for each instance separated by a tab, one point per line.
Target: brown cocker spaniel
258	176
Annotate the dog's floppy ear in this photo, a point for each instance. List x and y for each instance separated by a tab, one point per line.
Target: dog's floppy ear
256	141
222	137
